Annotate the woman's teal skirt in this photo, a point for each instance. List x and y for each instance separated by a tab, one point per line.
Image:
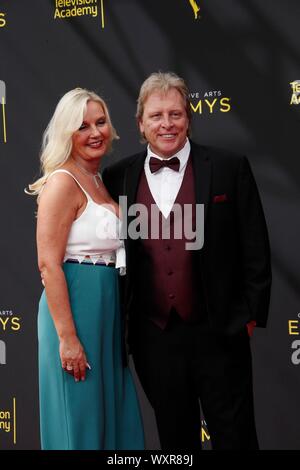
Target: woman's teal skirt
101	412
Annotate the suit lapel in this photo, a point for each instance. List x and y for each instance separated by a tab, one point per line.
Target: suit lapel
132	178
202	175
131	183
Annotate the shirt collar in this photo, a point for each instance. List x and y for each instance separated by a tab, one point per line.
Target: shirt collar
182	155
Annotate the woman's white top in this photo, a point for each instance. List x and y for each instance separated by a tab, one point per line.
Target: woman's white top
95	234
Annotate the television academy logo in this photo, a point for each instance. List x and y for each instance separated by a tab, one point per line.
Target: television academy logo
8	419
204	431
295	98
9	321
3	103
195	8
293	329
209	102
65	9
2	20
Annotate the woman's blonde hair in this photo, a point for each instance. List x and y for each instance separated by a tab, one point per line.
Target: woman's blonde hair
57	138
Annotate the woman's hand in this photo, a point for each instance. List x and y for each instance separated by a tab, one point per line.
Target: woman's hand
73	358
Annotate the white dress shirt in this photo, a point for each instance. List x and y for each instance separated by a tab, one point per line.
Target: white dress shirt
165	183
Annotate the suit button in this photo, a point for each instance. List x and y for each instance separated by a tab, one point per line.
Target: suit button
171	296
170	272
167	247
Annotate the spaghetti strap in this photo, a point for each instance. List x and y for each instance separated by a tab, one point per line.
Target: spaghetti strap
71	174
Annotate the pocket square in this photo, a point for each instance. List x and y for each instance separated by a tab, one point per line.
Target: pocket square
220	198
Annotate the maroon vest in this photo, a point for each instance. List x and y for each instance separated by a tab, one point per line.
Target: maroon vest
166	276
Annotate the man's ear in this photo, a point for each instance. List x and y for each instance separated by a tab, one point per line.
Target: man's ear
141	126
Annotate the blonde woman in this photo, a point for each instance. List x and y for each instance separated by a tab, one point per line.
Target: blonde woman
87	397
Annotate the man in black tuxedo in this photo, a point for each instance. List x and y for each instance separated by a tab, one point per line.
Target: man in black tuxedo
191	311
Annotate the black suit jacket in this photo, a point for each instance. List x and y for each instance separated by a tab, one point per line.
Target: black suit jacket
233	267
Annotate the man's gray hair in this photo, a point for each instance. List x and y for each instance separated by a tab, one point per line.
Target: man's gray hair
163	82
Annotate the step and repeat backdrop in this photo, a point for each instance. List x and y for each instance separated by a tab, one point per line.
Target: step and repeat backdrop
241	60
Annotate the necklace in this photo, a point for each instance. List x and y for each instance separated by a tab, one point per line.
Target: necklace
89	173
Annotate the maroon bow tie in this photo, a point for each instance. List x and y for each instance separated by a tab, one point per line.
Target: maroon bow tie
155	164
